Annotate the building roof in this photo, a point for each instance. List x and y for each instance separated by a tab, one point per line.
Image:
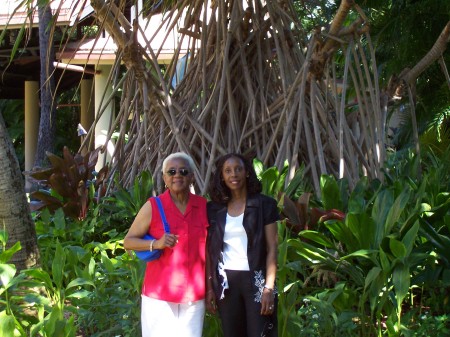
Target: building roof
25	65
85	53
13	15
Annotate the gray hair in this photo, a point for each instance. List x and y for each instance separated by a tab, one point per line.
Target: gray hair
179	155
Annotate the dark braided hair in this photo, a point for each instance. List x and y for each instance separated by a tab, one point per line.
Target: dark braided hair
218	190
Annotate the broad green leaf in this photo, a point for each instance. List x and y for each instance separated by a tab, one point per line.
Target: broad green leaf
91	266
77	254
363	229
7	325
357	202
258	166
51	320
136	193
7	272
19	279
365	253
282	252
292	297
269	180
443	197
396	210
317	237
60	327
401	280
59	220
79	282
371	275
317	255
342	233
331	196
36	329
3	236
352	270
58	265
295	266
424	207
382	205
281	178
36	298
410	237
440	242
439	211
6	255
295	183
106	261
397	248
337	291
40	276
384	261
80	294
372	293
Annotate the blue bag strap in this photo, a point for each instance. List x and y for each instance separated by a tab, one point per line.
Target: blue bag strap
162	214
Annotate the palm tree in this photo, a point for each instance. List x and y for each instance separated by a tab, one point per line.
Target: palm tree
15	214
47	125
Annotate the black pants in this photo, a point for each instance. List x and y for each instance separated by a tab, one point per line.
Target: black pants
240	314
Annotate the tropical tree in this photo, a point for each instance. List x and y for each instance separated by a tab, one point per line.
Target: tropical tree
256	72
256	81
47	124
15	214
405	22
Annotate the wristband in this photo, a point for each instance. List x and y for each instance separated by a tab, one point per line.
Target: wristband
151	245
267	287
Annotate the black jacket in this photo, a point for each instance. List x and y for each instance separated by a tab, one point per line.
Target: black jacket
260	210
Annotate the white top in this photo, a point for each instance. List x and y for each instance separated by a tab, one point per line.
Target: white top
235	244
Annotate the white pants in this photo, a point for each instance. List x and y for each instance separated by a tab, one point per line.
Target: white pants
168	319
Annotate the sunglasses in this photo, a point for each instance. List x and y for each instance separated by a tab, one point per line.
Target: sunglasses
184	172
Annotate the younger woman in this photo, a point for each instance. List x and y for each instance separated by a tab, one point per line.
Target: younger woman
241	251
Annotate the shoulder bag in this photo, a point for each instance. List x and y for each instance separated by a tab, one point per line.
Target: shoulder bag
147	255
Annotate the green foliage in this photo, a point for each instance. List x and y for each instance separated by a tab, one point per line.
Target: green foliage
403	32
123	205
84	285
314	14
67	119
365	267
33	301
378	265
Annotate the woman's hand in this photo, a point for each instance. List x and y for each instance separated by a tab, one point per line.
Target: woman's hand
267	302
210	301
167	240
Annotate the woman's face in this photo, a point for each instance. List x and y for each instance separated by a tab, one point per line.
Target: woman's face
234	174
177	175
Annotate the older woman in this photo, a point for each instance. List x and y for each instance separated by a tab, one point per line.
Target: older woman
174	285
241	251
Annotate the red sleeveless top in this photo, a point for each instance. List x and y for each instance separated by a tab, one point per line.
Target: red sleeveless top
179	274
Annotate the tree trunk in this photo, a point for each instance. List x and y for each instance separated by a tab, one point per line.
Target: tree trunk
15	214
47	125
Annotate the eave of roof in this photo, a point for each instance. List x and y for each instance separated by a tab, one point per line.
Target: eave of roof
14	16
